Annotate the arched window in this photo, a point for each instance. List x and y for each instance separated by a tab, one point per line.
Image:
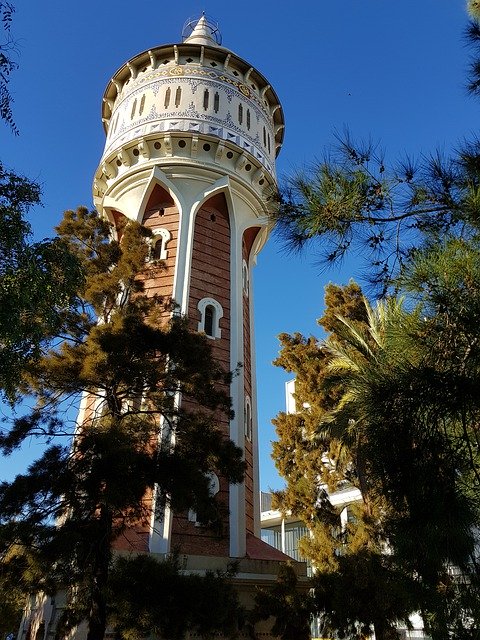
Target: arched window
210	313
245	278
247	418
159	244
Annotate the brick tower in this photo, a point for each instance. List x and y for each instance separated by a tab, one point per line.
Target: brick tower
192	135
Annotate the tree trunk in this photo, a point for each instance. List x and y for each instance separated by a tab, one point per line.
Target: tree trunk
97	619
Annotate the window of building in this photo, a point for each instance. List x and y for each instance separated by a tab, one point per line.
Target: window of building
134	106
240	113
245	278
168	93
209	318
247	418
248	119
178	96
216	102
142	105
206	96
159	244
210	313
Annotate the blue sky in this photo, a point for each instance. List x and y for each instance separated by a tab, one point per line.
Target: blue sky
394	71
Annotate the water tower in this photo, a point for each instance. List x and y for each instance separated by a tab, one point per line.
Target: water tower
193	131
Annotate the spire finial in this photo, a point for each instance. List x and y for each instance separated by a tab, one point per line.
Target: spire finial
202	30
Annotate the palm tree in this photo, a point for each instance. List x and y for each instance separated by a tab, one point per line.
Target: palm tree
403	444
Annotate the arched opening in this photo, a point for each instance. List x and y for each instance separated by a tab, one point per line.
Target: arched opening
210	313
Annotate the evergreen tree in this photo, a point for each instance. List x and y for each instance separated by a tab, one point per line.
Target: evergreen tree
131	360
317	456
288	604
406	412
37	279
7	65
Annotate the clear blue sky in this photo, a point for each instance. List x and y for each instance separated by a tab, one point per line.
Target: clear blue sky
394	71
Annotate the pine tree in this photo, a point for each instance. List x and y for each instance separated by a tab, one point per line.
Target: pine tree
130	358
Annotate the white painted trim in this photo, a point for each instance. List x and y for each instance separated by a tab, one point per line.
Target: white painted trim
238	539
255	452
201	306
165	236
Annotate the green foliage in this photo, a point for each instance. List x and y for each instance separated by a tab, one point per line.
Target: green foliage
130	359
365	592
401	421
408	378
355	201
205	605
288	603
7	65
37	283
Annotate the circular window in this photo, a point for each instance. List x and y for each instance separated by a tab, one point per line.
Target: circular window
248	167
119	164
136	152
206	147
182	144
229	155
261	181
158	145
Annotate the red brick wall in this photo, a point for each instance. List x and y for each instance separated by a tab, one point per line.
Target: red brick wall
210	277
247	241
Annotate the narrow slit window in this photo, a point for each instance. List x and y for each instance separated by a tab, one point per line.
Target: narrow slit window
142	105
209	320
268	140
168	93
264	137
178	96
247	418
157	249
206	97
248	119
240	113
134	106
216	102
245	278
